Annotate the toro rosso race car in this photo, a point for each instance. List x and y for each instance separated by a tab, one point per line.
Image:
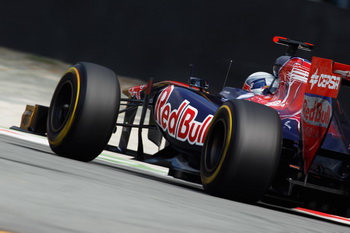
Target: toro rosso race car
289	146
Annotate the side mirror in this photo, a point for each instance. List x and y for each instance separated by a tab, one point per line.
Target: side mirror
196	82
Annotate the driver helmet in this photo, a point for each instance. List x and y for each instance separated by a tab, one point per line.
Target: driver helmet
259	82
280	61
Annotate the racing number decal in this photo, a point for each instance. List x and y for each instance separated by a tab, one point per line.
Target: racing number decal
180	123
57	140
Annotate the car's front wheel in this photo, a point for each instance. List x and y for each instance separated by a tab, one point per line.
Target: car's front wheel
241	151
83	111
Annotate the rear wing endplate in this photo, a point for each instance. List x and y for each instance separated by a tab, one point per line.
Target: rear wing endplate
325	79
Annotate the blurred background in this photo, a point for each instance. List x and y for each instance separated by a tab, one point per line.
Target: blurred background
161	38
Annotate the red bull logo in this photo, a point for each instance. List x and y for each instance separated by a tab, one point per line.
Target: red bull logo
180	123
316	111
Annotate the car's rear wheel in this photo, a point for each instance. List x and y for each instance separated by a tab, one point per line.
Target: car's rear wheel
83	111
241	151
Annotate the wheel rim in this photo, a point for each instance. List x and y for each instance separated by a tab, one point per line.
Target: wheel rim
62	106
215	145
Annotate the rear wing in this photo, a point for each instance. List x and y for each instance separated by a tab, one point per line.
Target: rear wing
326	76
325	79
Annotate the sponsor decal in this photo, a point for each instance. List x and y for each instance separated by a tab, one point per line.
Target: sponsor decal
180	123
324	80
316	111
316	116
314	79
136	91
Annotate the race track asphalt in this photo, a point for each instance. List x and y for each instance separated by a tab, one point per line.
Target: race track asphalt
41	192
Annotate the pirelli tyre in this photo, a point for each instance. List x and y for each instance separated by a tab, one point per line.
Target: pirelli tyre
83	111
241	151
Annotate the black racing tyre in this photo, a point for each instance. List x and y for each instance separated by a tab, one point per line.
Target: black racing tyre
241	151
83	111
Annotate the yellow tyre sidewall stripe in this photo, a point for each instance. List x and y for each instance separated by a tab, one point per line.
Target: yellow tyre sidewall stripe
209	179
65	130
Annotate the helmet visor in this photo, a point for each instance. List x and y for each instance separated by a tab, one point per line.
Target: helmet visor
258	83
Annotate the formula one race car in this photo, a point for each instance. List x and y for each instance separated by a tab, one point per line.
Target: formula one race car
289	145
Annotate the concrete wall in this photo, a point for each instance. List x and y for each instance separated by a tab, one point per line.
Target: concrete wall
160	38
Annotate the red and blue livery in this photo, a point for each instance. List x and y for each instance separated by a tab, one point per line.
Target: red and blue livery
290	146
